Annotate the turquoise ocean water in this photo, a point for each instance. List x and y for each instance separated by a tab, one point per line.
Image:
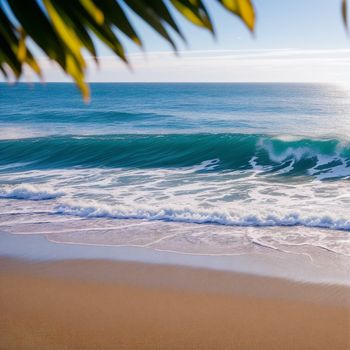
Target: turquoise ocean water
232	165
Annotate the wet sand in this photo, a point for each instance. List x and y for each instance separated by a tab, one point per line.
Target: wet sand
101	304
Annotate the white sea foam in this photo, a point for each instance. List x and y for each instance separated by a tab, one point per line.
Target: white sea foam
201	216
294	153
29	192
283	214
291	155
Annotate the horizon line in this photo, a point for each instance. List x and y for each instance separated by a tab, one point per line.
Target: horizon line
171	82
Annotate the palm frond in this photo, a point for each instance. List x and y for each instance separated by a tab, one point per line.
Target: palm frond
63	29
344	11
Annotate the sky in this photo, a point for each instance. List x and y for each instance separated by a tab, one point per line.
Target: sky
294	41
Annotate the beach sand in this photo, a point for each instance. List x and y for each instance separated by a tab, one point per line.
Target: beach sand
96	304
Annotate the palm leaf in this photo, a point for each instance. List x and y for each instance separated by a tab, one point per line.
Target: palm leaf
195	12
344	11
115	16
243	9
65	29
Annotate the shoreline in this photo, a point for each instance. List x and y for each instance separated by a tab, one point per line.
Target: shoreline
103	304
310	265
60	295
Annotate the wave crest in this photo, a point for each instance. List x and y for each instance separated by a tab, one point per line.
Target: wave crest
186	214
321	158
29	192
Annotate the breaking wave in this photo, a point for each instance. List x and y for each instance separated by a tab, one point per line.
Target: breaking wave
321	158
198	216
29	192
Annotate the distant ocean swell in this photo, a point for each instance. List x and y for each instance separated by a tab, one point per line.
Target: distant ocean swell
323	158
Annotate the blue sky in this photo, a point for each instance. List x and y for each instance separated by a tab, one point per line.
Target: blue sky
295	40
280	23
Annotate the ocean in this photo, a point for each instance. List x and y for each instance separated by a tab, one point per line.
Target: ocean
191	168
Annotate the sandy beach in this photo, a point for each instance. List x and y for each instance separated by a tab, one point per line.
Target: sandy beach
96	304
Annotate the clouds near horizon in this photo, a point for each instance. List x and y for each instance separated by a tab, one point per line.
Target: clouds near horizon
261	65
